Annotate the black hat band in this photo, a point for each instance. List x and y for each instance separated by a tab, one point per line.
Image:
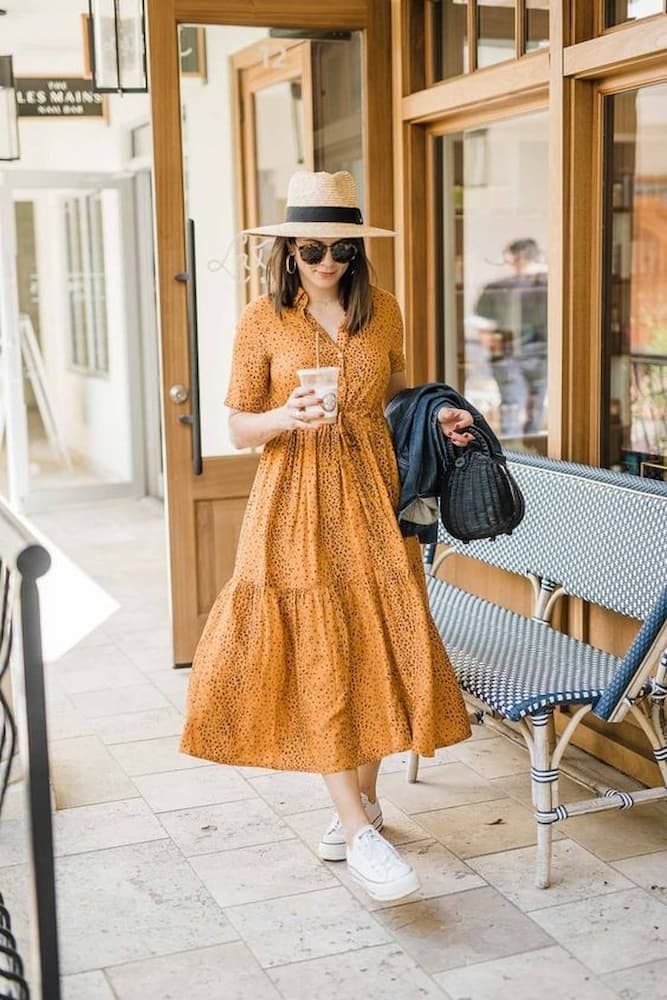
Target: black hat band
324	213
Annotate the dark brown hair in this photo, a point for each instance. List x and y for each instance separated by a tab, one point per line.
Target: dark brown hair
356	294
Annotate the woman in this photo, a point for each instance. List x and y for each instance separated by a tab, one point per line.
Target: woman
320	653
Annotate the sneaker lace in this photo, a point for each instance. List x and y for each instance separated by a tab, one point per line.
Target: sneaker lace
377	851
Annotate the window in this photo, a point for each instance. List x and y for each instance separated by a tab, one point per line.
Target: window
619	11
450	38
489	30
86	285
493	272
537	24
495	32
634	420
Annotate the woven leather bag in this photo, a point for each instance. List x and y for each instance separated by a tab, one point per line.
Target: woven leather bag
480	498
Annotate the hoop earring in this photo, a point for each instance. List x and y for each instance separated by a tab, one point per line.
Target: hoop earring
290	259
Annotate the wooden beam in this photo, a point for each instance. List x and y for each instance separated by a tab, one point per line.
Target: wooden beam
378	128
272	13
507	79
416	249
613	52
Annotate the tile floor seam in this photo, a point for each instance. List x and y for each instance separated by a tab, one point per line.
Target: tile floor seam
605	897
238	847
291	895
108	982
439	972
109	847
201	805
87	805
239	939
518	954
458	805
368	947
333	954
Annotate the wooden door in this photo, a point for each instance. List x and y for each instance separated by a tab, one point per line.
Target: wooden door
203	173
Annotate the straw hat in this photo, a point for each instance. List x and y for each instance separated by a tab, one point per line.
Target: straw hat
321	204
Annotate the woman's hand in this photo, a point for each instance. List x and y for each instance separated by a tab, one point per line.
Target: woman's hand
453	423
293	415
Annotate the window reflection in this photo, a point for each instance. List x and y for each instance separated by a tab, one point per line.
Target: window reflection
635	313
493	280
495	32
450	39
537	24
619	11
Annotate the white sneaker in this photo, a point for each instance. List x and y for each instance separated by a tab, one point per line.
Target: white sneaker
332	846
378	866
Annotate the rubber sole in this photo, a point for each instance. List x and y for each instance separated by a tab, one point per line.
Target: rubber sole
338	851
385	892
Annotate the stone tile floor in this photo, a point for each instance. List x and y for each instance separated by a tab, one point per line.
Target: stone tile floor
177	878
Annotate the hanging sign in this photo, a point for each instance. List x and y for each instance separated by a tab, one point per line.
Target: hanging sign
57	97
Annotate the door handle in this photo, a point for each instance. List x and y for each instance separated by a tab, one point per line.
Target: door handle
189	278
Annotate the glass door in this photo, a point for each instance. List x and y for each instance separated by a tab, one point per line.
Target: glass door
255	104
76	331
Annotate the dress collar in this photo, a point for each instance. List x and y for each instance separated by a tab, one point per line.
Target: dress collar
301	300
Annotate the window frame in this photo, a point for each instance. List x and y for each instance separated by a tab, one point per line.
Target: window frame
94	360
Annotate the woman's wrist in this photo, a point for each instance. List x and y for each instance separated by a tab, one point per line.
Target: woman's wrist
252	430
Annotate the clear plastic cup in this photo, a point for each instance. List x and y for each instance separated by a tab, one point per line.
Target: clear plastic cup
325	383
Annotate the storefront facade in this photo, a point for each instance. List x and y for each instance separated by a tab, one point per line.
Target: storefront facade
545	134
517	148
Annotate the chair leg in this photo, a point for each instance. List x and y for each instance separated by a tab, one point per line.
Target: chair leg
542	784
413	766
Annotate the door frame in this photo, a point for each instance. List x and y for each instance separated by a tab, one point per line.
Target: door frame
22	497
148	332
373	18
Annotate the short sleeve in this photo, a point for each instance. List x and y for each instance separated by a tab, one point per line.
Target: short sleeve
251	365
396	351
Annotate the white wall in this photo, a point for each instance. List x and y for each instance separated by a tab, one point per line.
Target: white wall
211	202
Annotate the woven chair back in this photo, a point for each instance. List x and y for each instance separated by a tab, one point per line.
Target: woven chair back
601	535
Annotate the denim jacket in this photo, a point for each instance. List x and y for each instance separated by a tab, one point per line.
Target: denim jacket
421	455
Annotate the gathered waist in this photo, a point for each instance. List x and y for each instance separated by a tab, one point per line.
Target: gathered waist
351	416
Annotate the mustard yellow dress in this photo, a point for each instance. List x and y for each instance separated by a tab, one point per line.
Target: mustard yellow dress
320	652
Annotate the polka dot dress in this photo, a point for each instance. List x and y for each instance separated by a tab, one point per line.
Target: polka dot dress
320	652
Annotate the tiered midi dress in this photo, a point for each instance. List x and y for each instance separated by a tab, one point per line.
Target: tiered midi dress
320	652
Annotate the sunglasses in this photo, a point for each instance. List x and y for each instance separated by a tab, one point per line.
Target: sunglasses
314	252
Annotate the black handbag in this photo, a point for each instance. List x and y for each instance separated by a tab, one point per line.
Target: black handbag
480	497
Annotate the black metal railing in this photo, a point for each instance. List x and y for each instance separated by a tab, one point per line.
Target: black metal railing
23	738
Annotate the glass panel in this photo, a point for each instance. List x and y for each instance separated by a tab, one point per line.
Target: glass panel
537	24
495	32
278	111
450	39
77	393
635	314
75	284
493	279
619	11
26	259
299	106
337	112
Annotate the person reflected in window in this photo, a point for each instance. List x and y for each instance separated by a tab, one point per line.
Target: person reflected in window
511	316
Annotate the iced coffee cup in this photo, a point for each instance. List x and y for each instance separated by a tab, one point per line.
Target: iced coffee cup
325	383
